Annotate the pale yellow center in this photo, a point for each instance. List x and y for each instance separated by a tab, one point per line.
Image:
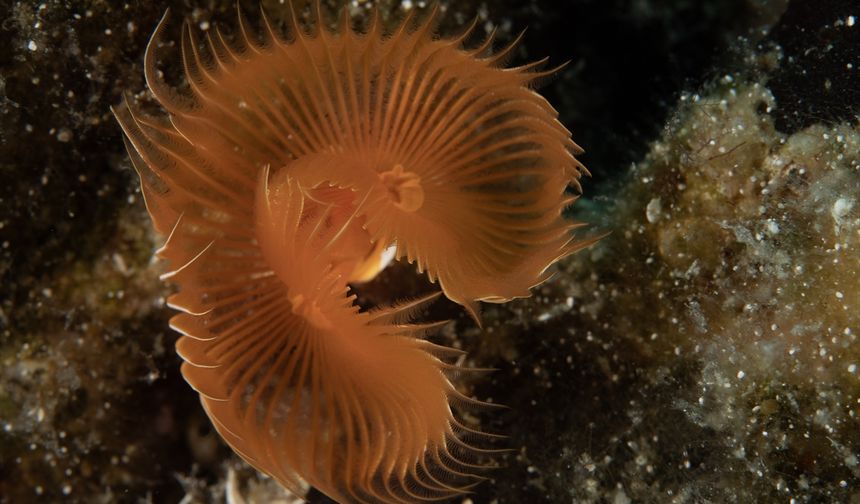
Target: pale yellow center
404	188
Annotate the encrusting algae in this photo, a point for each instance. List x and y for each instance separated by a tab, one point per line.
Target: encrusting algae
284	175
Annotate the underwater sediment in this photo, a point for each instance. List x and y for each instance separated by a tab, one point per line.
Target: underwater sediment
716	329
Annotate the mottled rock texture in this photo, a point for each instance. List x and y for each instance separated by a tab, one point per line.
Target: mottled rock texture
710	350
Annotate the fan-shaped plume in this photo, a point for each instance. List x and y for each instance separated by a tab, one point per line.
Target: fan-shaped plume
303	385
283	173
465	165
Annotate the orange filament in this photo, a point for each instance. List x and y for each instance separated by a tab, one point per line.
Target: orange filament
265	178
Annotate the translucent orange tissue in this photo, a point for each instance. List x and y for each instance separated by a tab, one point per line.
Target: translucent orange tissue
282	174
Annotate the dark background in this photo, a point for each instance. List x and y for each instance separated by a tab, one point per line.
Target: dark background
65	209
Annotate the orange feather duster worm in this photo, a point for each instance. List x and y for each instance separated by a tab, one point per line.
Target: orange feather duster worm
283	175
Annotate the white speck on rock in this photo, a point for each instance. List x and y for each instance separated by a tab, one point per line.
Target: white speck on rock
621	497
772	227
840	209
64	135
653	210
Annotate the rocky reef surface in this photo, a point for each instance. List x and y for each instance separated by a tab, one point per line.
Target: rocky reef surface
705	351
